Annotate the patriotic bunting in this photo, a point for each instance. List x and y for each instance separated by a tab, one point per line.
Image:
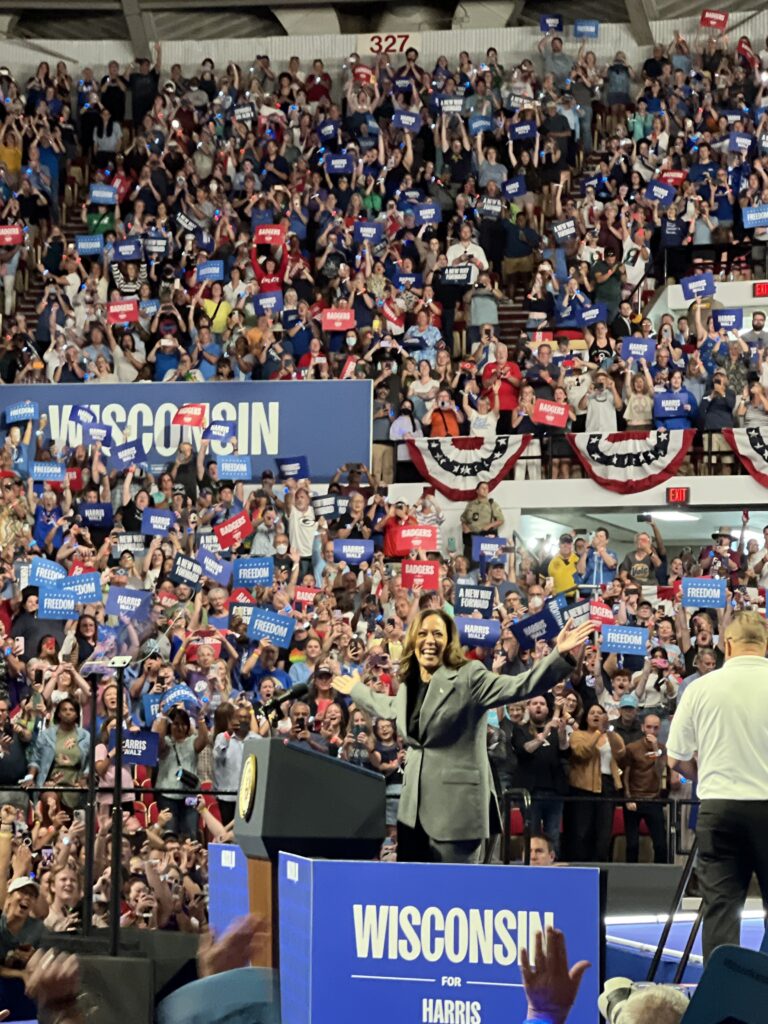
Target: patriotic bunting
632	461
456	465
750	445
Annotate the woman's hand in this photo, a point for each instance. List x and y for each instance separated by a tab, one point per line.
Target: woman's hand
344	684
571	637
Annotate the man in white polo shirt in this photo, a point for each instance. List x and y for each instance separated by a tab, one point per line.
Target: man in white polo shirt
719	736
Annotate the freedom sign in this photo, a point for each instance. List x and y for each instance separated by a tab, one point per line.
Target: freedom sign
470	598
551	414
413	569
624	639
638	348
389	936
19	412
211	270
699	285
55	603
698	592
278	629
254	572
586	28
85	587
478	632
44	572
102	195
408	538
754	216
353	552
234	467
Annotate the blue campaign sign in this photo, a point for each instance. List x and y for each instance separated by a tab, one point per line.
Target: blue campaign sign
698	592
407	280
268	302
698	285
84	415
148	307
214	568
55	472
234	467
134	604
371	231
102	195
186	570
43	572
478	632
124	455
140	748
328	130
666	404
278	629
343	163
565	229
93	432
732	988
54	603
638	348
128	249
479	123
754	216
150	703
222	432
588	315
728	319
470	599
227	883
523	130
85	587
156	522
541	626
661	192
97	515
353	551
271	416
407	121
421	942
586	28
551	22
293	466
180	694
486	547
739	142
427	213
514	187
254	572
19	412
89	245
211	270
624	640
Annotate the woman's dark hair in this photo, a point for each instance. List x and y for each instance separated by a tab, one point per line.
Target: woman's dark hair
222	717
180	717
60	705
105	730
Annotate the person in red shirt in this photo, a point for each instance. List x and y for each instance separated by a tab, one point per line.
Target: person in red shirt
270	275
508	373
397	515
318	84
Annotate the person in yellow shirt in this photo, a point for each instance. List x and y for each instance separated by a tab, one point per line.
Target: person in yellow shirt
562	568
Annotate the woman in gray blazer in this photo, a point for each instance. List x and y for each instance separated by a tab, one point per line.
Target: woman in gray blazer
448	805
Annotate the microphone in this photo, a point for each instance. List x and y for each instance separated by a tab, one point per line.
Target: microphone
295	693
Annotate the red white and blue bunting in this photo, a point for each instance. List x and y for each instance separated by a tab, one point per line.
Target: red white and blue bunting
750	445
456	465
632	461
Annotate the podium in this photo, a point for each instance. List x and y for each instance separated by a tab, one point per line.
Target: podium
293	800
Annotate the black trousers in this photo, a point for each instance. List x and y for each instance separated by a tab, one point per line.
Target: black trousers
414	846
733	844
653	814
588	824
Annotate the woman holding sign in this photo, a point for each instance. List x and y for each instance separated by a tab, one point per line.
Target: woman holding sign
448	806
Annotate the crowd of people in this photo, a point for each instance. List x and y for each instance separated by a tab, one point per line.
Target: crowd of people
239	205
418	202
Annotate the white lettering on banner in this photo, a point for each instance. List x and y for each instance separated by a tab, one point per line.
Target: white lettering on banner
703	591
536	629
258	426
129	603
477	632
623	638
275	628
461	936
450	1011
133	746
58	603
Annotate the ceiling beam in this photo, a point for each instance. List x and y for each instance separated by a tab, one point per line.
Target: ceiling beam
137	27
641	13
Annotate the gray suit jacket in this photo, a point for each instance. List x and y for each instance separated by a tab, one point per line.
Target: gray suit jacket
447	783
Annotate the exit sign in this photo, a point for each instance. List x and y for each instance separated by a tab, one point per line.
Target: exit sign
760	289
678	495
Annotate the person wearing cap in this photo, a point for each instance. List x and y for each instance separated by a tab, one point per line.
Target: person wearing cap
720	558
718	737
562	568
481	517
20	932
644	778
627	725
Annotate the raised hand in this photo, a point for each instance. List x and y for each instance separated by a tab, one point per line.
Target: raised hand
571	637
550	987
